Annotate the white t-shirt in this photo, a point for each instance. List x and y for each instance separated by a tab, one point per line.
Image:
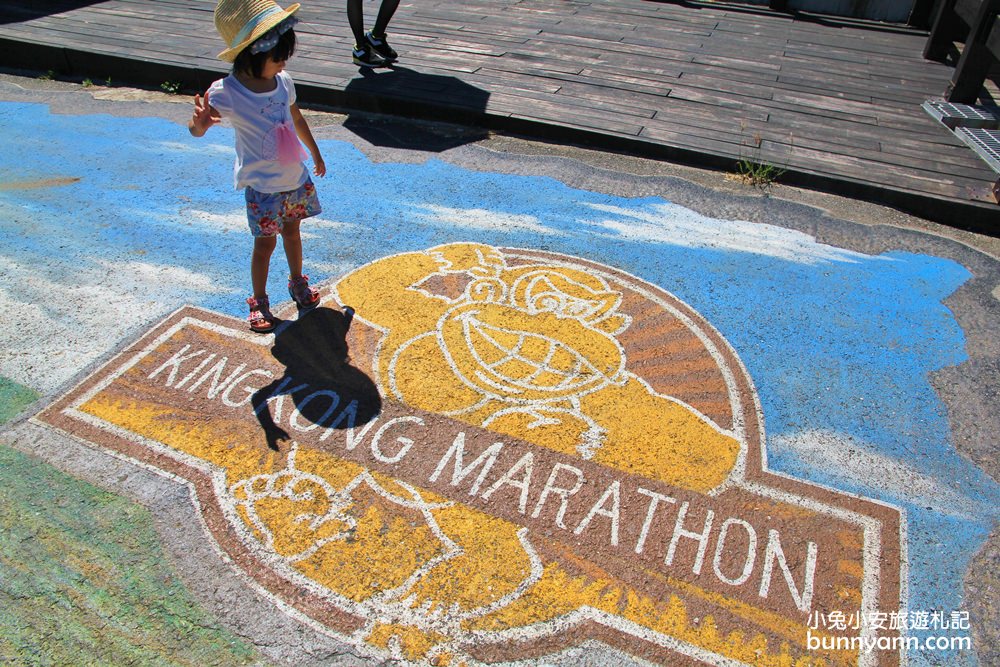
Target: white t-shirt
256	118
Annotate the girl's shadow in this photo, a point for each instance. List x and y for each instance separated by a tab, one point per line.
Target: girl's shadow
325	388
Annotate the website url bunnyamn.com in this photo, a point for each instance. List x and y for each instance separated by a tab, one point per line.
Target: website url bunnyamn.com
869	644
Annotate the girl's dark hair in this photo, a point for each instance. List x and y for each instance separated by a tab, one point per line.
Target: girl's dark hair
253	63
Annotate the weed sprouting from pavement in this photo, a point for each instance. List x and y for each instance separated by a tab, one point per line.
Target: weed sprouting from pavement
753	171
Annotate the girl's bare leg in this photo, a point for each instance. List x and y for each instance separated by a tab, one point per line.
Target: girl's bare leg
292	242
260	262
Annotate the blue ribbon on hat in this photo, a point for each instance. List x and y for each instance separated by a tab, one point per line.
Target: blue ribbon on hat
253	23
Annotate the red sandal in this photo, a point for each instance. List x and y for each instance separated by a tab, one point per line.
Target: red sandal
260	318
305	297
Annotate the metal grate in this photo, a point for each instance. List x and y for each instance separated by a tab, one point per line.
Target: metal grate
963	115
985	142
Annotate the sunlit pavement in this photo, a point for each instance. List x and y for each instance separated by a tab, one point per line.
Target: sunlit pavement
581	416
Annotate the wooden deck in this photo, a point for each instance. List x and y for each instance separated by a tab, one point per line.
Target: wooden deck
836	103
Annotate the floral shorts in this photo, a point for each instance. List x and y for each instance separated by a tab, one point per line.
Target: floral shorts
268	212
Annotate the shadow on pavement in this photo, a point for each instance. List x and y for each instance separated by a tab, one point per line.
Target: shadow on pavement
445	99
325	388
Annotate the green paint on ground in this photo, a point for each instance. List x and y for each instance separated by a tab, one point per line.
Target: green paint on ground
14	398
83	580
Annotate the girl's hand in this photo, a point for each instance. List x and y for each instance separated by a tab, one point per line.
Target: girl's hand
319	166
204	117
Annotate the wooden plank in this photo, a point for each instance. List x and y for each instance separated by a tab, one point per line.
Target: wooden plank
733	106
737	64
875	156
607	105
597	82
826	53
520	80
841	101
549	112
866	89
682	137
849	134
845	165
650	73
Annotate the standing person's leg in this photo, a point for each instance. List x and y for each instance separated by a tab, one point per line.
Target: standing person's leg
260	318
298	284
356	19
376	38
260	262
385	13
291	239
363	53
264	228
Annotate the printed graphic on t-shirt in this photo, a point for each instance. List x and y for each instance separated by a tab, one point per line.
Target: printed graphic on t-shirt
273	110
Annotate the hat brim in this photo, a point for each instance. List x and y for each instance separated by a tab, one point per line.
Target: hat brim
229	55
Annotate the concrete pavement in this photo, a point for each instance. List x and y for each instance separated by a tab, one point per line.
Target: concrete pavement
627	413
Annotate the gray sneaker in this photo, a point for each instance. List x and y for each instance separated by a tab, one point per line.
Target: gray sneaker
381	47
366	57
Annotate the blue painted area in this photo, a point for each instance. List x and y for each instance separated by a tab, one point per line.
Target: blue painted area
839	344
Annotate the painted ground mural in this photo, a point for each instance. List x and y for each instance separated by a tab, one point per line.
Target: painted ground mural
548	415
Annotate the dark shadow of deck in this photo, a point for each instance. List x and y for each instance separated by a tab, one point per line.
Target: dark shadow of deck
382	90
834	103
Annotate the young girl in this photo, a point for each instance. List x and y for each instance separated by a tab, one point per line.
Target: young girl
258	97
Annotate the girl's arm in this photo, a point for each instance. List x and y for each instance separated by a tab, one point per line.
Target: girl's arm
204	117
305	134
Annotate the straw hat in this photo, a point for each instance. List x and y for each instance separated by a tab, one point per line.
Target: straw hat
242	22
